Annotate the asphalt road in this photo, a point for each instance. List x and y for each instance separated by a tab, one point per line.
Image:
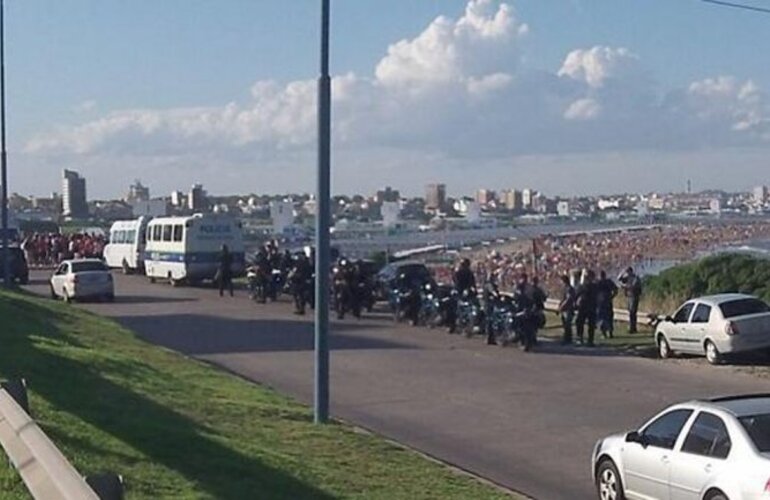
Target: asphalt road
527	421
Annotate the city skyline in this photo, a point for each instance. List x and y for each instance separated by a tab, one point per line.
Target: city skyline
426	94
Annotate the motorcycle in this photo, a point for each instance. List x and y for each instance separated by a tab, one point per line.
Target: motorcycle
469	314
434	305
505	321
257	284
404	303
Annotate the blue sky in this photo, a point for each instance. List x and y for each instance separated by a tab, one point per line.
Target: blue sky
73	63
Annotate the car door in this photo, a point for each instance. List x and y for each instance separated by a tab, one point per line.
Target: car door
695	332
646	465
703	455
678	330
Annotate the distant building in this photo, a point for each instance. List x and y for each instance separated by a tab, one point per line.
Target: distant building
390	212
282	213
74	204
760	195
527	198
137	192
435	196
512	199
196	200
387	195
152	208
484	196
178	199
563	209
715	206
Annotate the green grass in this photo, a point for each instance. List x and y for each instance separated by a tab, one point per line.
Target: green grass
178	428
641	343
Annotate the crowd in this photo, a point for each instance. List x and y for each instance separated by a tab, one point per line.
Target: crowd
49	249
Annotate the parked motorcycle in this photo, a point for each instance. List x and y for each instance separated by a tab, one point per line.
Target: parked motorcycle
470	317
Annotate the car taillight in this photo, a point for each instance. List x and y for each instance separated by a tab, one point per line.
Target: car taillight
731	328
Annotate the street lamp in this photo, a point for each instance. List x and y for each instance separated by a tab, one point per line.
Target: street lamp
323	214
6	260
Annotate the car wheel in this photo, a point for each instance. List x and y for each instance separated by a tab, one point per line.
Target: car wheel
608	483
53	293
664	350
66	296
110	297
713	356
715	495
24	280
152	279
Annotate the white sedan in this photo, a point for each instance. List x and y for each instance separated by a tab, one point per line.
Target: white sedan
82	279
714	326
716	449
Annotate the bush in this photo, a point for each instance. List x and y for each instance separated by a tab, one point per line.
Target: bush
722	273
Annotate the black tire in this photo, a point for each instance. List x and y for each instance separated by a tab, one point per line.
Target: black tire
66	296
152	279
664	349
24	280
715	495
609	485
713	356
53	293
110	297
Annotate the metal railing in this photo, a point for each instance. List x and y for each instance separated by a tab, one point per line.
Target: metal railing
45	471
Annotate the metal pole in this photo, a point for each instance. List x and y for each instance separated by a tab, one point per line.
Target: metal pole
6	261
323	214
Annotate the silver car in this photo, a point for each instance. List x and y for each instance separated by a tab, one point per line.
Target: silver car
82	279
715	449
715	326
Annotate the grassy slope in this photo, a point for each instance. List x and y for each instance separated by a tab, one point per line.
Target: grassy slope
177	428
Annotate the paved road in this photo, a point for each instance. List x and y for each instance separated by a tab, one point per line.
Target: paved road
526	421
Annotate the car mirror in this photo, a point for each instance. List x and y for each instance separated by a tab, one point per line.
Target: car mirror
635	437
670	319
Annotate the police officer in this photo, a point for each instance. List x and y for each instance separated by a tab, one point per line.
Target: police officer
632	286
586	308
299	277
464	283
606	290
225	271
567	309
526	306
490	295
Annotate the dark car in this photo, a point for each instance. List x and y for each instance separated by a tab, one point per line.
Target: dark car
415	272
19	269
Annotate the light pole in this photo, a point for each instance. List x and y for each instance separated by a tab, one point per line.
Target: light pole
6	261
323	213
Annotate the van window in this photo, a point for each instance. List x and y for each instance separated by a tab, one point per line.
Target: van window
178	232
156	233
121	236
149	233
130	236
167	232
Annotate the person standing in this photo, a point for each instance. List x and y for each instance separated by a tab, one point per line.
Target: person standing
632	286
606	290
586	308
567	309
225	271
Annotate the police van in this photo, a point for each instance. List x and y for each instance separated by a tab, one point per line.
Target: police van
187	249
126	246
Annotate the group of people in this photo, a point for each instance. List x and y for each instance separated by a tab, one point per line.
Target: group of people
49	249
590	304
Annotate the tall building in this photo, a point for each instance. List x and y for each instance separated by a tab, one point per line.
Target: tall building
435	196
137	192
74	204
512	199
177	199
197	198
387	195
760	194
484	196
527	198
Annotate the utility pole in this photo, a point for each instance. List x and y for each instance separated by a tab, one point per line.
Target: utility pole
323	214
5	257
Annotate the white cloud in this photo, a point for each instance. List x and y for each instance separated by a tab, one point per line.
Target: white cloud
459	91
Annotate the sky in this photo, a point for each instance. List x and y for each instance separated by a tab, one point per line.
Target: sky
565	96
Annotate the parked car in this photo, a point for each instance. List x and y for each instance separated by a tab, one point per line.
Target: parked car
415	272
82	279
19	267
715	326
716	449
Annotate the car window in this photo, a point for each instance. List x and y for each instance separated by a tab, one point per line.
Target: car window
702	314
62	269
664	430
683	314
81	267
758	429
156	232
178	232
708	436
742	307
167	232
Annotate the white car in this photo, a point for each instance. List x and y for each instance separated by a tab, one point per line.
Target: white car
82	279
714	326
716	449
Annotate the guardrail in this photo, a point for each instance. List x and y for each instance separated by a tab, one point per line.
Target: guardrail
43	468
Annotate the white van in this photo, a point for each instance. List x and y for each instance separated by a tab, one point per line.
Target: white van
187	249
126	246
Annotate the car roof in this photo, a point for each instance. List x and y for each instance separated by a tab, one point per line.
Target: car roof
739	405
75	261
715	300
